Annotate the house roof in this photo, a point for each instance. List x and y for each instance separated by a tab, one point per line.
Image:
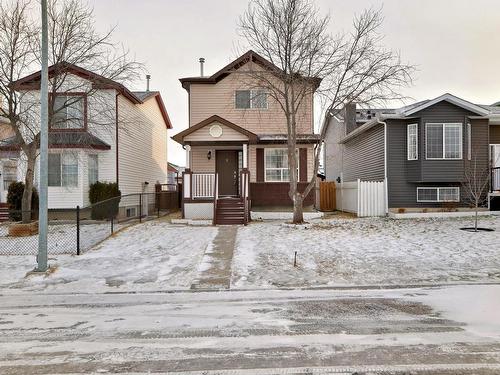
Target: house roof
33	80
63	139
236	64
137	97
179	137
407	112
144	96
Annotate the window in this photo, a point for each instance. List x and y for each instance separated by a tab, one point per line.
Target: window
69	112
276	165
438	194
412	141
63	170
443	141
469	141
251	99
93	169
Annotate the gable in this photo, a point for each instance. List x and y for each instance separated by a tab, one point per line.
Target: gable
444	110
203	134
451	99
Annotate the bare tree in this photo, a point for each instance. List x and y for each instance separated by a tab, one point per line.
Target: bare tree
475	184
73	40
341	69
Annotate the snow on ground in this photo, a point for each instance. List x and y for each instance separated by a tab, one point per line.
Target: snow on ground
365	252
61	239
150	256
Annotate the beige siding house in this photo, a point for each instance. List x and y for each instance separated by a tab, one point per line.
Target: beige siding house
116	135
236	144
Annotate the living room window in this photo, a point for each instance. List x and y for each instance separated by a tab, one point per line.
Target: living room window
438	194
276	165
443	141
69	111
63	170
93	168
412	141
251	99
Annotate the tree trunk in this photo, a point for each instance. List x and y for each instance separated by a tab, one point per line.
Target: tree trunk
475	221
28	185
298	209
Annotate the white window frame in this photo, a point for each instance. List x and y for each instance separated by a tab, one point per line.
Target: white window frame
444	126
408	127
89	156
266	150
438	188
251	101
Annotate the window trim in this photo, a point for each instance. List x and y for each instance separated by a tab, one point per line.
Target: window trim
89	156
251	101
408	126
85	111
469	141
438	188
265	167
444	125
61	155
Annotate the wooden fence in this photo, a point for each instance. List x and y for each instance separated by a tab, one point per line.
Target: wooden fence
327	196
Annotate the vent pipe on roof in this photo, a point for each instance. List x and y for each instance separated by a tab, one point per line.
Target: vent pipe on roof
202	61
148	78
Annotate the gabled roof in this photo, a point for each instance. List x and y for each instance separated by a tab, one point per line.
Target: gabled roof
33	80
236	64
144	96
179	137
449	98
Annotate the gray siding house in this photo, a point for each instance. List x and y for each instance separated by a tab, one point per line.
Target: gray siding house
421	151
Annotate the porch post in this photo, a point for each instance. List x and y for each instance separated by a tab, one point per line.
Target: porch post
188	156
245	155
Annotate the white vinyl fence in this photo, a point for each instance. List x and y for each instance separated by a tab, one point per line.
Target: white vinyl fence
363	198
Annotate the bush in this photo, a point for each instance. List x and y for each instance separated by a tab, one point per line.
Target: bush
15	201
104	191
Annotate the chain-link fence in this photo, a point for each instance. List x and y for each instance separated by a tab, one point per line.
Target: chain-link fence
74	231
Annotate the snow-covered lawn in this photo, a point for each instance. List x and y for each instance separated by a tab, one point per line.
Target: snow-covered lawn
150	256
61	239
366	252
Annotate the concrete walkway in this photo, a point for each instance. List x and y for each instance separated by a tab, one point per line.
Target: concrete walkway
214	271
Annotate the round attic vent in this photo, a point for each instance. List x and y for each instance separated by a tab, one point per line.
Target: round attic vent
215	131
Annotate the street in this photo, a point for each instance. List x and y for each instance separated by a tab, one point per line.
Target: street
438	330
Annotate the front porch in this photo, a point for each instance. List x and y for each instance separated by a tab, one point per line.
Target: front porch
221	196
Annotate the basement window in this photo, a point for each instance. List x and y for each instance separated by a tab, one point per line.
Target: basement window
438	194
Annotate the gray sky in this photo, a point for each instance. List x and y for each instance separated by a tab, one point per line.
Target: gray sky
454	43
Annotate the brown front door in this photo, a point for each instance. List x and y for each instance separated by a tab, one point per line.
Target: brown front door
227	168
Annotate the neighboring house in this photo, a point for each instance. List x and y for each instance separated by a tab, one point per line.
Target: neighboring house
421	151
107	133
236	145
8	160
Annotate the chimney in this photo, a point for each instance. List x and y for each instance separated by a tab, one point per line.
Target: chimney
202	61
350	117
148	78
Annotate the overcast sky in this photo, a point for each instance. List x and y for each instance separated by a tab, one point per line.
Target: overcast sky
454	43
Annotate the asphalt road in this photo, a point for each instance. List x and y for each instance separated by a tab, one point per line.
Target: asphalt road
442	330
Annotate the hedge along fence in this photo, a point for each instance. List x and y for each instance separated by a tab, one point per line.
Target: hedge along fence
15	201
108	195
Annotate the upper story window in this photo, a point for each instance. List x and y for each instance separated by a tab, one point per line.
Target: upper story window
63	170
412	141
443	141
250	99
276	165
69	111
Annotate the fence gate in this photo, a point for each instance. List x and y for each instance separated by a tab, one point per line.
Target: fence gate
327	196
371	198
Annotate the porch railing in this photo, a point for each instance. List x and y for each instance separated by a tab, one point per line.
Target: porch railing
495	179
203	185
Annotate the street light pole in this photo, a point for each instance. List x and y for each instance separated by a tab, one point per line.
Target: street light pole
44	147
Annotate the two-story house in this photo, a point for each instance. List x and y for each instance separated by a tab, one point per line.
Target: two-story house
421	151
236	144
101	131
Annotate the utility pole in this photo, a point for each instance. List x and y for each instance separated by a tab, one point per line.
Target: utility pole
44	147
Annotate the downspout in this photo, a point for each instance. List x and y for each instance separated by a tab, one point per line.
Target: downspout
386	182
116	138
